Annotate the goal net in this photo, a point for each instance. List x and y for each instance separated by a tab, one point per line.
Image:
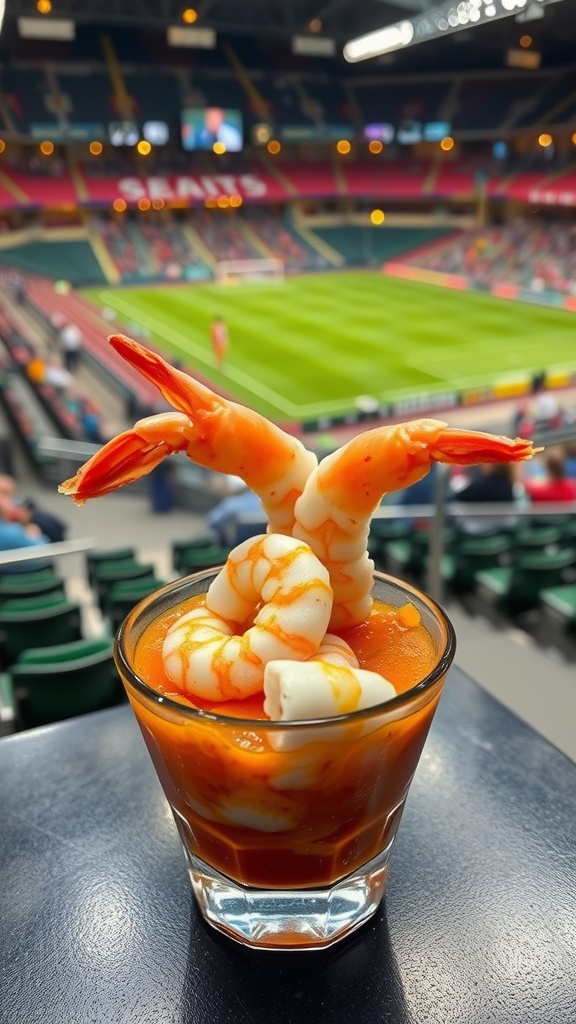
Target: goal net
240	271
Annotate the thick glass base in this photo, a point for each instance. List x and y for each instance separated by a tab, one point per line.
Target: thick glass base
291	918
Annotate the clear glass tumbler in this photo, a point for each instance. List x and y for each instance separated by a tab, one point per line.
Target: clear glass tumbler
287	828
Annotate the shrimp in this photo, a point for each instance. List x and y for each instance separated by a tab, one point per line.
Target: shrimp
208	654
333	513
322	691
212	431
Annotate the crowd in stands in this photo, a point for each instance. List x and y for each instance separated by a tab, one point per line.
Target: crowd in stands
533	254
278	238
154	246
52	371
147	248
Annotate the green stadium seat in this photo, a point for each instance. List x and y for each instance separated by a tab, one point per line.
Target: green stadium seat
561	602
97	558
49	691
557	625
122	597
64	652
110	573
536	538
181	547
32	603
410	557
517	588
568	533
37	624
472	555
558	521
202	558
21	587
385	531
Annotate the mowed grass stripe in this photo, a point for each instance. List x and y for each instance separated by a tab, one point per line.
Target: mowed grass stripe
310	346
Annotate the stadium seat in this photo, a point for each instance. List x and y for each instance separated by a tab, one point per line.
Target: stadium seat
49	690
557	625
537	538
22	587
121	598
385	531
409	557
23	623
97	558
472	555
201	558
181	546
64	652
109	573
517	588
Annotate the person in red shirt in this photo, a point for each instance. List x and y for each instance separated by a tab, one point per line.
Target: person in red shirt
220	341
556	486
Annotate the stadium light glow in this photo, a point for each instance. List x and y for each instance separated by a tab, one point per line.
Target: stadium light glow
219	148
438	21
47	148
377	217
189	15
274	147
96	148
545	140
375	146
144	147
2	145
447	143
343	147
119	205
44	6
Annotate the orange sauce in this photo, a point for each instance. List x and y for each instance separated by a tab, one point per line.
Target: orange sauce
304	815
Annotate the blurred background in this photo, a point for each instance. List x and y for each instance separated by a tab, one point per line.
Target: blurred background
339	234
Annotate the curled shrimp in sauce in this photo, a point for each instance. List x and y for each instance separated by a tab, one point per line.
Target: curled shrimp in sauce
209	654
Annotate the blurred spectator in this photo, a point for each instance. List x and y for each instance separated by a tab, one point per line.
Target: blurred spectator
225	518
71	342
523	421
570	460
55	375
161	482
546	412
556	485
26	513
14	535
90	417
493	484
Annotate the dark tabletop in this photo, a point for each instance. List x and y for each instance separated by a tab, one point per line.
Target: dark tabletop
98	926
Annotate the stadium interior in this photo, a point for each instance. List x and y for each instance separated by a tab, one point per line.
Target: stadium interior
421	198
341	245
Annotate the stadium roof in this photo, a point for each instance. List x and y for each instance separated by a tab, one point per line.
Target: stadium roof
554	32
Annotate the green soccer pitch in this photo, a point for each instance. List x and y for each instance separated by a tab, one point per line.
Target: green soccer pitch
309	346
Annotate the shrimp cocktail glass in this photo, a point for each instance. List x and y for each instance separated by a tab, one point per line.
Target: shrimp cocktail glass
285	697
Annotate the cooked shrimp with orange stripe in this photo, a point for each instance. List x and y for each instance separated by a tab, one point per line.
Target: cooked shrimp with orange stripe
263	625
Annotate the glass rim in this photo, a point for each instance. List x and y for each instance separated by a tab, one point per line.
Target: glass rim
401	699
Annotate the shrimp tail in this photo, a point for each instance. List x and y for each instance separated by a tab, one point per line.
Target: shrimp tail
127	457
470	447
179	389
